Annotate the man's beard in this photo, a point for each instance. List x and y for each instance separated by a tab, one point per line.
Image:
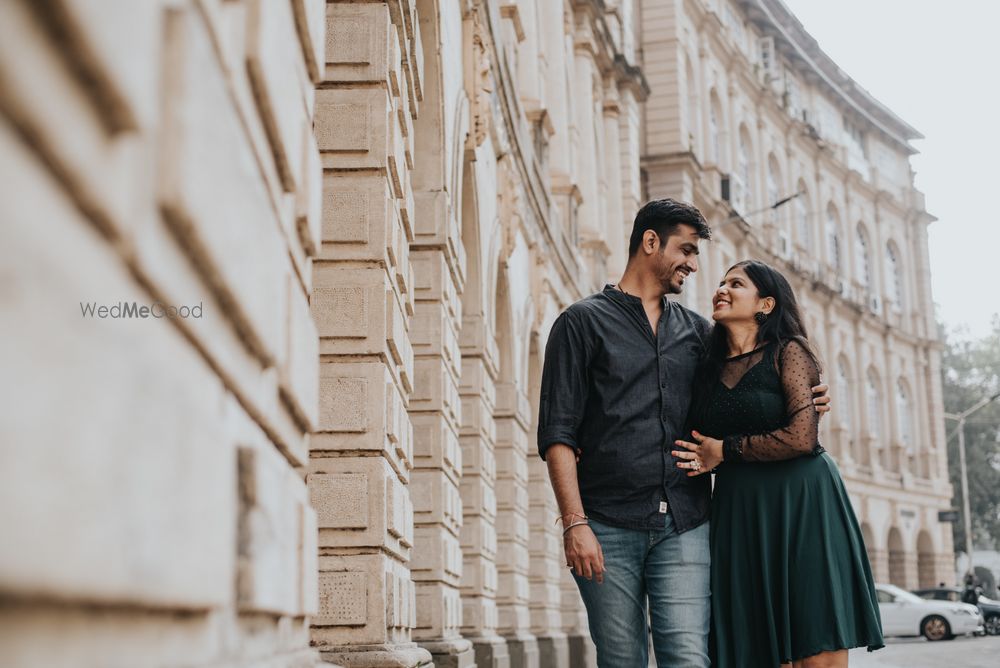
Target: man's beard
670	287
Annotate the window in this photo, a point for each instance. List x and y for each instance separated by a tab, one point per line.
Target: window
895	278
863	258
903	414
874	399
803	228
793	99
832	238
767	61
844	404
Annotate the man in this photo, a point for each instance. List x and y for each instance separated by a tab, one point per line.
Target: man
972	590
616	386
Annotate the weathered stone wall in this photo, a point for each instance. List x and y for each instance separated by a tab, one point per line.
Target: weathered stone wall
152	479
480	163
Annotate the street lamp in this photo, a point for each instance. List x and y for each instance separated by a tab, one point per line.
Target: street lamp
960	417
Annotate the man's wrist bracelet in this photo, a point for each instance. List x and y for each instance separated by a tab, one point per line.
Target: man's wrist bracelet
571	516
575	524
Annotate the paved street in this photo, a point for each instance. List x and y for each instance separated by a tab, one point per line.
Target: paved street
963	652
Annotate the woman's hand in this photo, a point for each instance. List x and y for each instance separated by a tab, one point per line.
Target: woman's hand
821	399
699	457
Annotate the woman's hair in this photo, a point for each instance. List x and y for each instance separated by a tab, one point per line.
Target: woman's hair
783	324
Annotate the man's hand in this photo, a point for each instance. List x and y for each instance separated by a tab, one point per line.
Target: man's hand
583	553
821	400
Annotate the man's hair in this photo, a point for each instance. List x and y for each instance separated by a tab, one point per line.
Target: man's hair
663	216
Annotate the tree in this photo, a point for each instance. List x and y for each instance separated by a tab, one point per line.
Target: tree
971	371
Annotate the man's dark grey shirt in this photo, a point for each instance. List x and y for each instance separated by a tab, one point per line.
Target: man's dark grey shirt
620	396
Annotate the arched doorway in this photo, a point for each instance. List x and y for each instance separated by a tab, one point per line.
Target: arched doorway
926	574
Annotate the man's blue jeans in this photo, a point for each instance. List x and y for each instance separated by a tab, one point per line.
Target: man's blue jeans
672	571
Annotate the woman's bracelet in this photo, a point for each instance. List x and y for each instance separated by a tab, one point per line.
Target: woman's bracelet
732	449
575	524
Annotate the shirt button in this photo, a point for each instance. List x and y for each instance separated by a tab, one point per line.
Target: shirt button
663	384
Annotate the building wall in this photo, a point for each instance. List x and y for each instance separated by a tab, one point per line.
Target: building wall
480	164
380	208
781	125
155	510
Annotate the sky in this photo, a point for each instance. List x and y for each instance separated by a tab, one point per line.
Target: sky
935	65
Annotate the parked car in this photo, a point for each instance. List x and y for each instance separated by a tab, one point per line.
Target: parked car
987	606
906	614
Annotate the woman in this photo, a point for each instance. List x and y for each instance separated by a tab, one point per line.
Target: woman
791	582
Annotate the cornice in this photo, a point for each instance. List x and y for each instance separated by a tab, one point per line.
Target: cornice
775	19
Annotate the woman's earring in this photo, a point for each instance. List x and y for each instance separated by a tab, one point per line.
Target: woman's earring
760	317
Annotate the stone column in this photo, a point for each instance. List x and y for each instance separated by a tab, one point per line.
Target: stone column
879	560
435	407
615	216
479	503
513	417
545	546
586	96
362	455
436	413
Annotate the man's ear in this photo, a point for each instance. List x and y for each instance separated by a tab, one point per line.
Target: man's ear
650	241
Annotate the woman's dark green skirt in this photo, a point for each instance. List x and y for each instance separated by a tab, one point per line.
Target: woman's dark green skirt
790	575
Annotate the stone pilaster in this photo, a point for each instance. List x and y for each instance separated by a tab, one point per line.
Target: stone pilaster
545	552
436	412
512	418
362	454
479	503
879	560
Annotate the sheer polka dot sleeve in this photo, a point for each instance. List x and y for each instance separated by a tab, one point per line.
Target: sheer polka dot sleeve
799	374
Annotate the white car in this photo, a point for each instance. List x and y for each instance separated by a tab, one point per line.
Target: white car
905	614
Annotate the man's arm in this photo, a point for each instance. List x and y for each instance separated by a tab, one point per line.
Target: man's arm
583	551
562	402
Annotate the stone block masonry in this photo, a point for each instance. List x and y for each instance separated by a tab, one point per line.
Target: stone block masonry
152	471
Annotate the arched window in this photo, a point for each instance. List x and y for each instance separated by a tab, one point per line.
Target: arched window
895	279
803	229
863	257
833	238
873	397
903	416
844	402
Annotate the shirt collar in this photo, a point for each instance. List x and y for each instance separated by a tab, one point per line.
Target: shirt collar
617	295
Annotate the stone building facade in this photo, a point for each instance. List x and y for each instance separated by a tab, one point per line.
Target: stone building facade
352	225
794	163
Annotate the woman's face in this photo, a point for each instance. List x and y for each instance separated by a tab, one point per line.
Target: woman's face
736	299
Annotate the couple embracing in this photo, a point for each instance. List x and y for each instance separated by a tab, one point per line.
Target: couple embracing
641	400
